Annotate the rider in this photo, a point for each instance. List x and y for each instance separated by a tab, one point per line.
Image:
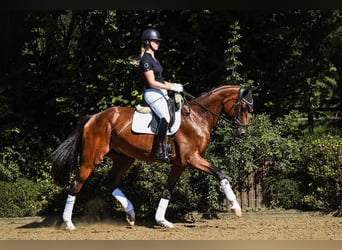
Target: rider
156	95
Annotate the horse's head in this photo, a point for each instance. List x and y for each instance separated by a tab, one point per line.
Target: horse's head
238	111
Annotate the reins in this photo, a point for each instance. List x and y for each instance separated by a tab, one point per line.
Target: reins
207	109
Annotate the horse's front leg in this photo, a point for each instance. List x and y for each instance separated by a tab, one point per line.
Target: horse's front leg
172	179
236	209
200	163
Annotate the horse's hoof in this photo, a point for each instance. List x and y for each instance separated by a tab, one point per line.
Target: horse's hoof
236	209
130	217
165	223
69	226
237	212
130	221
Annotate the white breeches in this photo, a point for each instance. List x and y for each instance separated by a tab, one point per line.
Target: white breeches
157	99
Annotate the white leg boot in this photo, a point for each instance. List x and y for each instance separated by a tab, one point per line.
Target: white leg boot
160	214
236	209
69	205
126	204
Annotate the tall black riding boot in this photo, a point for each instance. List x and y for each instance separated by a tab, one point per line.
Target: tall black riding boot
159	139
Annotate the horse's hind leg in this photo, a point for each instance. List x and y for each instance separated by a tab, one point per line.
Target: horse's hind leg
121	163
95	147
82	176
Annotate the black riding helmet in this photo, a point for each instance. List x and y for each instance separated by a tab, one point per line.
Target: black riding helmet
150	34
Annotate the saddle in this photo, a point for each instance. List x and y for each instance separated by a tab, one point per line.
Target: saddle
146	121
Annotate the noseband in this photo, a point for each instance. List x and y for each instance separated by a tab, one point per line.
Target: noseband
247	98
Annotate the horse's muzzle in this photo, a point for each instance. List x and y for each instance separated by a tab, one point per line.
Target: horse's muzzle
240	131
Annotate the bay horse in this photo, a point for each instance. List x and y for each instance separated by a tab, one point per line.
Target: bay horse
109	134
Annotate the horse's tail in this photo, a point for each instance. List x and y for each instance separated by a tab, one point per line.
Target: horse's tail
64	158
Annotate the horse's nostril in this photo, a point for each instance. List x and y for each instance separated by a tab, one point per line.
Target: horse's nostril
242	132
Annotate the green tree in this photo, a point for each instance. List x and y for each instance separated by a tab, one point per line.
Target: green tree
293	57
232	52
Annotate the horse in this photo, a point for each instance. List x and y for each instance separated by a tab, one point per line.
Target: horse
108	134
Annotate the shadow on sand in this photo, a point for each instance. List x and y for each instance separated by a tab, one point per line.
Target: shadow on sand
45	222
54	221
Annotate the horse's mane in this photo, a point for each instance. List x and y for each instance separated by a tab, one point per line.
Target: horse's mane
216	88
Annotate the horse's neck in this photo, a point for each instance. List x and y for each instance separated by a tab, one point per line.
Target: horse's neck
209	106
214	99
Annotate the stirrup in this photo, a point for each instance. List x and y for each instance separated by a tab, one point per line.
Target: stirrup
161	156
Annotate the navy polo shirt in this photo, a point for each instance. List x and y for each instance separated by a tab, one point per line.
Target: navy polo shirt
148	63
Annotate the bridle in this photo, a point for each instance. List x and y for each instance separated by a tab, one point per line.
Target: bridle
234	121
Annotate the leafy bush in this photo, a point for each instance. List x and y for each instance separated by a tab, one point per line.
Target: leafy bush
266	143
322	161
288	127
10	161
282	186
19	198
284	193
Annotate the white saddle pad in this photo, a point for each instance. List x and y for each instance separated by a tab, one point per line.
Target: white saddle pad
142	123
